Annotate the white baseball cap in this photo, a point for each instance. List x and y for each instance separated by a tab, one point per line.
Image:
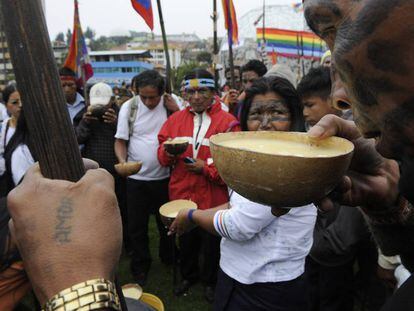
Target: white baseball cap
100	94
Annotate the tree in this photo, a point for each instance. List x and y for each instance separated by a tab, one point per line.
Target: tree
101	44
90	33
204	57
60	37
68	36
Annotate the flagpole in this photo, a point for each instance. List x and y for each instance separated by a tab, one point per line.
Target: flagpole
302	54
231	62
167	54
264	51
215	45
264	22
298	52
83	68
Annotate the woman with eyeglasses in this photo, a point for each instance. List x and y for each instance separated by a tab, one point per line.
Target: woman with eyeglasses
194	176
262	260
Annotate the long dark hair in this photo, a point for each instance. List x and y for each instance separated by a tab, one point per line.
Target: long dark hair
281	87
20	136
10	89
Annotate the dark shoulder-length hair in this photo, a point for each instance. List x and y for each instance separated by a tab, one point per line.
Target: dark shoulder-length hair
20	136
283	88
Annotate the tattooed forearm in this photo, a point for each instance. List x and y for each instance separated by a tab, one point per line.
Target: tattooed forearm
64	215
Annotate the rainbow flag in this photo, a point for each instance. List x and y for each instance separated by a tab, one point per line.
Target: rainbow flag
231	22
78	59
144	8
292	44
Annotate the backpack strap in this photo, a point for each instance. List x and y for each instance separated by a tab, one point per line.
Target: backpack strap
133	111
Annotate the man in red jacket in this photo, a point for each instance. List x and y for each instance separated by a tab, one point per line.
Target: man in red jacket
198	181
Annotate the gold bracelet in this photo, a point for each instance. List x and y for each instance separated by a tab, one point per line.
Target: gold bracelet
85	296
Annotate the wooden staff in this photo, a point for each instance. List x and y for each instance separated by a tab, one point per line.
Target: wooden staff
165	42
38	81
39	84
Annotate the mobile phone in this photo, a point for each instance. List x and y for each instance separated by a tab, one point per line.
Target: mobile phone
189	160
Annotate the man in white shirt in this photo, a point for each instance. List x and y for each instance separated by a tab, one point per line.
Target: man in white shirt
74	101
148	189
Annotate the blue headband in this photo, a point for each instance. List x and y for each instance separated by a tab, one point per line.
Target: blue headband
199	83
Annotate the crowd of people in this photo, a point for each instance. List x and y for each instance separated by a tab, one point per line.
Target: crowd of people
353	247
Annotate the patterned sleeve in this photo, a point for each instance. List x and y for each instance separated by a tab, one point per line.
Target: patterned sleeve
243	220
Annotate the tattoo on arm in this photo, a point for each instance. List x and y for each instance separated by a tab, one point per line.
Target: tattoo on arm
64	215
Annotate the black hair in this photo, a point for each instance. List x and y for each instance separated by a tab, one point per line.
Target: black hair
150	78
20	136
235	68
316	83
10	89
255	65
64	71
283	88
199	73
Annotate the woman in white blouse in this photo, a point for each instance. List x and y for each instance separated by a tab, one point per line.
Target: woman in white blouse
262	256
19	153
13	106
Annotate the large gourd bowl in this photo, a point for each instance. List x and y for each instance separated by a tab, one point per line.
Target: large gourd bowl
281	180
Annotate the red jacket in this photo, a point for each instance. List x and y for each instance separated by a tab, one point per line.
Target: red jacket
207	190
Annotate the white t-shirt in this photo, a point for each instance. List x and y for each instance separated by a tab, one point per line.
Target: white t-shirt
21	161
143	144
259	247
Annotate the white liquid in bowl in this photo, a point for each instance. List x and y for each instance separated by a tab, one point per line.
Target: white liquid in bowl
286	147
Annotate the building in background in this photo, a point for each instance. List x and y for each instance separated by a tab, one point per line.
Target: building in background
116	67
6	68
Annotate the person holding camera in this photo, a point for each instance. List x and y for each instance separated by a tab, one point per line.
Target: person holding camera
96	131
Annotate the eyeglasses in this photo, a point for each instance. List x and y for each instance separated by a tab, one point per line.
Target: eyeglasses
202	92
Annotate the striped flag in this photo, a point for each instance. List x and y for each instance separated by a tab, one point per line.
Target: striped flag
144	8
231	21
78	59
290	43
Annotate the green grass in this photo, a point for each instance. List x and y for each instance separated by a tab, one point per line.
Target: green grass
160	281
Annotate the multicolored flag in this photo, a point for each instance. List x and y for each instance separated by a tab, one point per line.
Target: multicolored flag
297	7
78	59
231	22
144	8
290	43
